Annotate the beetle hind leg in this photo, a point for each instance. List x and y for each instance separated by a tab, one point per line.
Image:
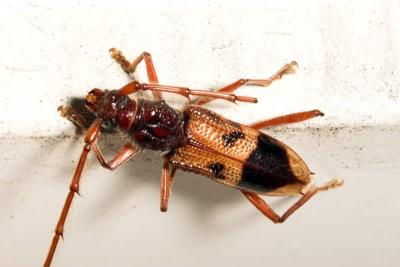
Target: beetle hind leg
331	184
265	209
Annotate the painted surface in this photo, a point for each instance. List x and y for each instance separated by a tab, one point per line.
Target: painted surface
349	68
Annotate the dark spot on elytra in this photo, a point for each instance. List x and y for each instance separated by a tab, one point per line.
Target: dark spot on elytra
216	169
232	137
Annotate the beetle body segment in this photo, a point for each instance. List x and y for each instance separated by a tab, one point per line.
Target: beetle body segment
249	160
157	126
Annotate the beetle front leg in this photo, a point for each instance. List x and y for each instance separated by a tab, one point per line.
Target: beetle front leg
285	70
130	67
166	183
124	154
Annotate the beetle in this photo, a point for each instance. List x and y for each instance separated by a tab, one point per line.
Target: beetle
195	140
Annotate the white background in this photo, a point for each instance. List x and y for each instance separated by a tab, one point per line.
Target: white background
349	68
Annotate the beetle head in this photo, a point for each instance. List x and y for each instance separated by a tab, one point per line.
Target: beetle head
114	109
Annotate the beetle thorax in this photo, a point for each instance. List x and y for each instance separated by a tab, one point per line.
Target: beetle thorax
157	126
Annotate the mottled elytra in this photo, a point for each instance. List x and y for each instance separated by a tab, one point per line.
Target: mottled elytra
195	139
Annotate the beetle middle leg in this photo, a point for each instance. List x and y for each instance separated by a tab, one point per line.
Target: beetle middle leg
265	209
130	67
125	153
166	183
285	70
285	119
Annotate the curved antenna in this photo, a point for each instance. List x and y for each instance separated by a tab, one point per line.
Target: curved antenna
91	136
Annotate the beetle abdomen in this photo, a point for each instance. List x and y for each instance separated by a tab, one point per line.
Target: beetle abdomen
238	156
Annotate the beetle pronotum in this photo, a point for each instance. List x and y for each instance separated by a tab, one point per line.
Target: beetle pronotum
195	139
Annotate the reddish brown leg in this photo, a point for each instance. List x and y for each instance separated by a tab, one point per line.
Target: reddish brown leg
91	136
130	67
166	183
290	118
125	153
134	86
265	209
286	69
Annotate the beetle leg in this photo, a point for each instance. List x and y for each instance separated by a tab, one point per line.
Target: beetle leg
310	193
91	136
125	153
286	69
285	119
265	209
166	183
130	67
262	206
329	185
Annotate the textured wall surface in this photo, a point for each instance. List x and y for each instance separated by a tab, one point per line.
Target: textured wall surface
349	68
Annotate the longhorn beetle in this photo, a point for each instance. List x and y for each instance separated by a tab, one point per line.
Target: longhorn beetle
196	140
